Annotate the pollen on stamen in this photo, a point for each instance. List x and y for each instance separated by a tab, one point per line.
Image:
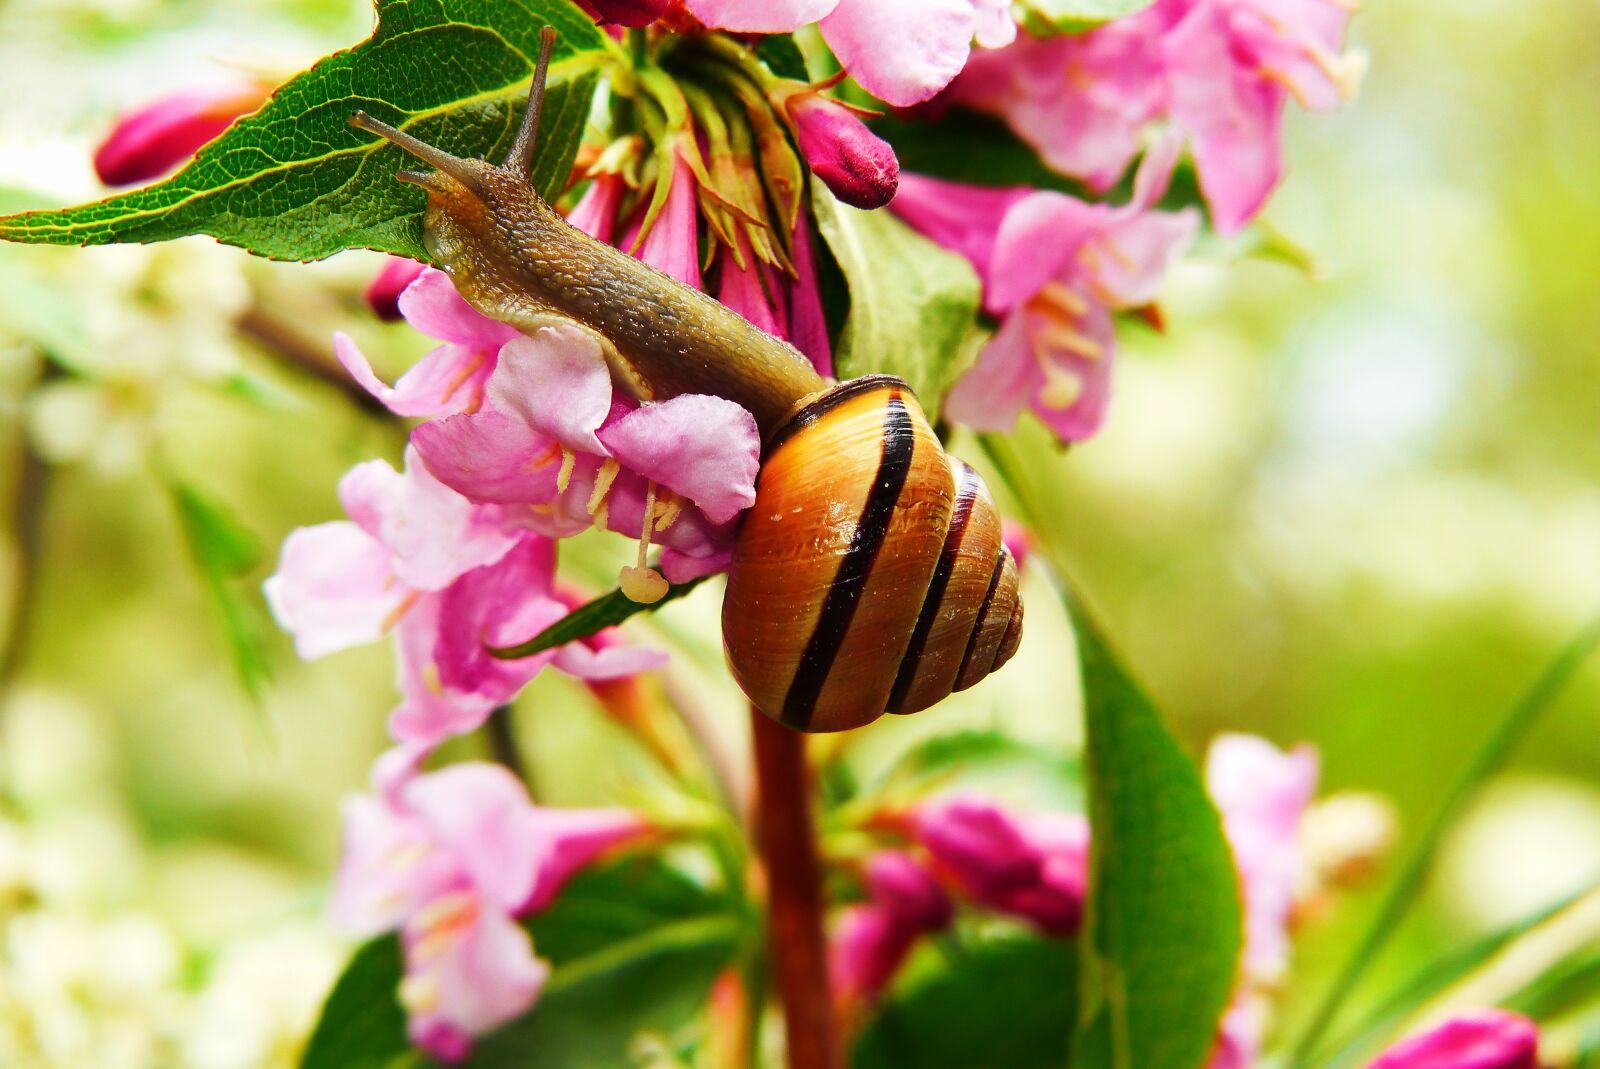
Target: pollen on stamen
1056	335
602	486
639	582
564	476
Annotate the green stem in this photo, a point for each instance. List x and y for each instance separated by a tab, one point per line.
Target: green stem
1488	759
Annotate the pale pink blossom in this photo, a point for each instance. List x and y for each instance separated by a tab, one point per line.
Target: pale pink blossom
451	858
345	583
1483	1039
1262	793
1054	268
448	379
151	140
872	940
902	51
1030	866
554	444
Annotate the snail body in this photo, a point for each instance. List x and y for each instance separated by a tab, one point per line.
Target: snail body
869	576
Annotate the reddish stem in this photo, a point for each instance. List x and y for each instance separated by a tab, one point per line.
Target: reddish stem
794	882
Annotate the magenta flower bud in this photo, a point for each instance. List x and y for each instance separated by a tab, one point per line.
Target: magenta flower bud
858	165
1031	867
1485	1039
634	13
148	142
873	940
383	292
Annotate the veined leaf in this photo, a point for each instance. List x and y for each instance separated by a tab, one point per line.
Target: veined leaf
996	1003
634	946
591	618
1163	924
911	302
1046	18
293	181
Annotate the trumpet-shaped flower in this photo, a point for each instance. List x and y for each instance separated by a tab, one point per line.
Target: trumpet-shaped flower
902	51
1054	268
449	379
555	444
451	858
1033	866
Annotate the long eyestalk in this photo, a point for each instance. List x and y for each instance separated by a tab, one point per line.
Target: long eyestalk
437	158
520	159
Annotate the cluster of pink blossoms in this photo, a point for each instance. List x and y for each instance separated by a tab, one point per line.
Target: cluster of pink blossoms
451	859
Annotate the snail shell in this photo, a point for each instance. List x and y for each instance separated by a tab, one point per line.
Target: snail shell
870	575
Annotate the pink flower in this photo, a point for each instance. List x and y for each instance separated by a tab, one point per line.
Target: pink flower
671	244
451	858
808	326
1054	268
872	940
149	141
1485	1039
553	442
858	165
449	379
1262	793
1081	100
1220	70
1033	867
901	51
383	293
345	583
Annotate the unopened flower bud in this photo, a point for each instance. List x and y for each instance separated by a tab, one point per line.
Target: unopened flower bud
1486	1039
633	13
858	165
383	293
149	141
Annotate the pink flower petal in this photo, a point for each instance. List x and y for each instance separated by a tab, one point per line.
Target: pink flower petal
995	390
428	714
467	974
432	305
149	141
481	816
596	211
963	218
901	51
388	867
557	383
673	244
334	588
573	839
383	292
808	326
759	16
1039	240
612	662
1232	115
489	456
447	380
505	603
705	449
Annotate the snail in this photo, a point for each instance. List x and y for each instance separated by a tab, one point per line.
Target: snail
869	576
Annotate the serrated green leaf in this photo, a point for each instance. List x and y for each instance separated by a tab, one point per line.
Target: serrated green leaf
1047	18
634	947
912	303
996	1003
223	551
591	618
1163	926
293	181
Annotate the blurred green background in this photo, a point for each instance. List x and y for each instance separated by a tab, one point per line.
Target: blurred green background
1356	507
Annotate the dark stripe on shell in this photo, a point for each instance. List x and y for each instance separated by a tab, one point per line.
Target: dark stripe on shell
966	494
830	400
983	610
844	594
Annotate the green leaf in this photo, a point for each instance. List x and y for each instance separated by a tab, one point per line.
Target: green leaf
964	146
1046	18
912	303
1163	926
1432	979
590	618
293	181
1484	763
634	946
998	1004
782	56
223	552
979	753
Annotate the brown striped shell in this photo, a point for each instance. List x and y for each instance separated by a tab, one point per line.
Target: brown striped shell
869	576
